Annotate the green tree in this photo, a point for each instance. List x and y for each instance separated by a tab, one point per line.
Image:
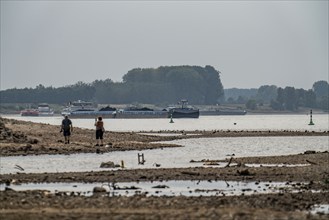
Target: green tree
321	88
290	101
280	98
323	103
275	105
267	93
251	104
310	99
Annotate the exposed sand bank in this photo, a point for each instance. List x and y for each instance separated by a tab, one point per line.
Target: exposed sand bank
25	138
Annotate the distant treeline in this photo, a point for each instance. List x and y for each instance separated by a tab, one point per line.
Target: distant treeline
163	85
170	84
288	98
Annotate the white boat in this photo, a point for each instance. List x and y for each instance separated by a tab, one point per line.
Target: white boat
45	110
79	108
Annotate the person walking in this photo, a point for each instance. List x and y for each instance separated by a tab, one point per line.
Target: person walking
67	128
99	131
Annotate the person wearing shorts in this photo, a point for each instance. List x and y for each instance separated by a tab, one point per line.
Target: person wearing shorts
99	131
66	129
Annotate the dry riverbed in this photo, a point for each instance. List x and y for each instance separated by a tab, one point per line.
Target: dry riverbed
25	138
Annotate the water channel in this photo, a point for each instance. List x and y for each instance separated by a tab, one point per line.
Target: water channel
193	149
167	188
245	122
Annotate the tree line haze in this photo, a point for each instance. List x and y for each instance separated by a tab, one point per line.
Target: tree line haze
168	85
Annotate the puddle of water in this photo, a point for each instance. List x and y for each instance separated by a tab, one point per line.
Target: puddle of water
320	209
194	149
277	165
222	164
166	188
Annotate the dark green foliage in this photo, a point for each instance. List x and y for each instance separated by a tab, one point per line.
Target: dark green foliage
48	94
321	89
266	93
251	104
323	103
239	96
275	105
172	83
290	98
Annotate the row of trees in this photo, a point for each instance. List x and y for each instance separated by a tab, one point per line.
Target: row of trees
288	98
200	85
169	84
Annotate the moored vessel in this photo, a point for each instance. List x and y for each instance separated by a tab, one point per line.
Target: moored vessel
30	112
134	112
45	110
183	111
79	109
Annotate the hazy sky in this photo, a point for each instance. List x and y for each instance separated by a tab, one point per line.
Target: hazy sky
252	43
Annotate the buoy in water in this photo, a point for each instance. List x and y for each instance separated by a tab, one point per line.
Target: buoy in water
311	121
171	121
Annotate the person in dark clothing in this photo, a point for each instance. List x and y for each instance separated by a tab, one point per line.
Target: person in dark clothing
99	131
67	128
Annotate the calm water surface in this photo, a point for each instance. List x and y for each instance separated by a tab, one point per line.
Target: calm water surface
194	149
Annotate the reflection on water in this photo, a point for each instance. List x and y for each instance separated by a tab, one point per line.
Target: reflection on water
237	122
194	149
167	188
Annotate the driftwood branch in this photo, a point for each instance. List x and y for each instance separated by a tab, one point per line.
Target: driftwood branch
230	161
311	162
18	167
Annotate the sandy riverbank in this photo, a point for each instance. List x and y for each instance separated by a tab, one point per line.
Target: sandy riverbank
26	138
22	138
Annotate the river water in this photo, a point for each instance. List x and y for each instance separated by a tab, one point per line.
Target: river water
194	149
244	122
166	188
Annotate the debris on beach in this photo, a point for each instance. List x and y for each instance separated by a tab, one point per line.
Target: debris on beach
245	172
109	164
211	163
156	164
98	189
18	167
160	187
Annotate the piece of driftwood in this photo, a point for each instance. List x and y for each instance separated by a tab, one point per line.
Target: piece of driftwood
18	167
190	173
230	161
311	162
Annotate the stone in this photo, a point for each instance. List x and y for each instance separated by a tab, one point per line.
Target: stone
108	164
98	189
